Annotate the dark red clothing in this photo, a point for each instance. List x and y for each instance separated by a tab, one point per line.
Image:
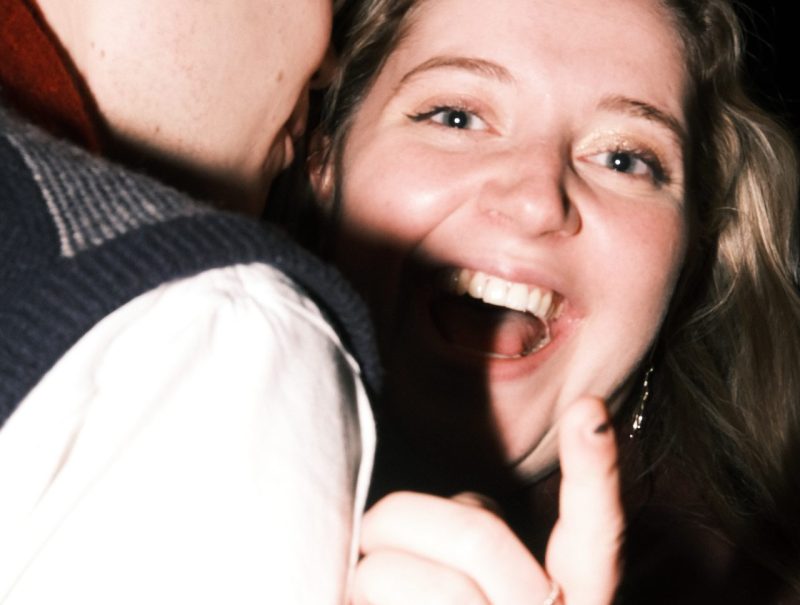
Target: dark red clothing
39	80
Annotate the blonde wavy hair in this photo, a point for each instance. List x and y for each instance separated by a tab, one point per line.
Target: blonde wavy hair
727	390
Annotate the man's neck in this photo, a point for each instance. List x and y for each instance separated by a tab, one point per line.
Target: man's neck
38	79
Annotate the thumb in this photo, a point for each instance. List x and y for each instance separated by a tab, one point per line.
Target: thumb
584	549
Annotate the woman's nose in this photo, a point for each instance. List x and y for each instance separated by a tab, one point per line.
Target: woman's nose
531	197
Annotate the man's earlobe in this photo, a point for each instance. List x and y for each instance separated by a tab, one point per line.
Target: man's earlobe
320	170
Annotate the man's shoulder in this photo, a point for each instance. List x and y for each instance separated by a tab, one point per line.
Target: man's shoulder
89	199
89	206
81	236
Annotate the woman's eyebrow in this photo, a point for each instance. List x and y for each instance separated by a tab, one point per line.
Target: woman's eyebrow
641	109
497	72
478	66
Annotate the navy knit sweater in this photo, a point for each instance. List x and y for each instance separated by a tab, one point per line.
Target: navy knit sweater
80	237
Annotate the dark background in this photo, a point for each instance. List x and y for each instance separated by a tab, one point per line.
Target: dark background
773	46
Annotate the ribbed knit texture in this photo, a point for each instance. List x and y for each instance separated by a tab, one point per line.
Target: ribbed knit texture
80	237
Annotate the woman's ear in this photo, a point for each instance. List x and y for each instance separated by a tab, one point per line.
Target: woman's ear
320	171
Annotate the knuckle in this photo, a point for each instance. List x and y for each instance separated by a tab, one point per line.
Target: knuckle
483	533
385	509
390	503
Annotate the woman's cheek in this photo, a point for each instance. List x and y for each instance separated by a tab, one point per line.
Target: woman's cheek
398	195
655	254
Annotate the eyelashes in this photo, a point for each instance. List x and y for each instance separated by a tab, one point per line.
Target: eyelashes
627	159
637	163
457	118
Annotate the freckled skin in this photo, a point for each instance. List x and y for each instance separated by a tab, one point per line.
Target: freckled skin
204	88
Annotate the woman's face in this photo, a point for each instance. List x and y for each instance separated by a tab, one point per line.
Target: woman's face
513	211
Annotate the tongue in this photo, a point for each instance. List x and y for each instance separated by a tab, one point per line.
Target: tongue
487	329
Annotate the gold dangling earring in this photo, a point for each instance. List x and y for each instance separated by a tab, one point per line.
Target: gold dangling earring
638	416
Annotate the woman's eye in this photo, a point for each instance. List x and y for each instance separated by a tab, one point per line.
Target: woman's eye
450	117
632	163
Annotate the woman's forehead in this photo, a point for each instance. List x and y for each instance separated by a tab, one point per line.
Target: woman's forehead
626	48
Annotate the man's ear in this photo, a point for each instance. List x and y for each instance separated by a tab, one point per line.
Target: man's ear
320	171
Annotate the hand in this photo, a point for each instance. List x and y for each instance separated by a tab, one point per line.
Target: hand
423	549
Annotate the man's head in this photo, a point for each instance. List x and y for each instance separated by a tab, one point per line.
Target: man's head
206	92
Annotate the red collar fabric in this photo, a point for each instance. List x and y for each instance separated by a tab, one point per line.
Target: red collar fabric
38	79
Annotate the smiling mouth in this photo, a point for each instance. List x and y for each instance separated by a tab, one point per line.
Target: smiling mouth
492	317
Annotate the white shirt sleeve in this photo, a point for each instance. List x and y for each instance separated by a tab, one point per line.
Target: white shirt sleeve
209	442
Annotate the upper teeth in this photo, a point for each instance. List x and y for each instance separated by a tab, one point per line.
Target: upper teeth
496	291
